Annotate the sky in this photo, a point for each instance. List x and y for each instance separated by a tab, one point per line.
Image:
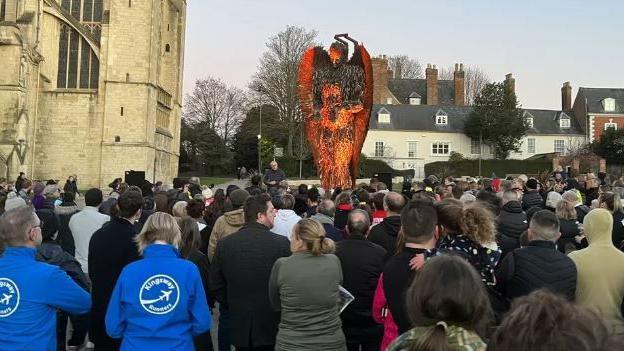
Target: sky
542	43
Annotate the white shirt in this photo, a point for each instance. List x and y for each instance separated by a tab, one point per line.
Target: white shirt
82	225
284	223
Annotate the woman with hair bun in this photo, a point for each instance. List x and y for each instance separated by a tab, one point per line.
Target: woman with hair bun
305	287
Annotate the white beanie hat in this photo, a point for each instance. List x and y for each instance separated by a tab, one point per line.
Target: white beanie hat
13	201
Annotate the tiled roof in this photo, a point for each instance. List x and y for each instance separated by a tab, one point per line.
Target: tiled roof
403	88
595	96
421	118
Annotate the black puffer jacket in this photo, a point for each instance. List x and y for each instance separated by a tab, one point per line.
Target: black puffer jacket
510	223
532	199
385	234
537	266
52	253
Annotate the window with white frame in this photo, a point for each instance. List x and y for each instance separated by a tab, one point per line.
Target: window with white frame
441	118
383	116
564	123
411	149
608	104
379	149
529	122
440	149
531	145
560	146
610	125
475	146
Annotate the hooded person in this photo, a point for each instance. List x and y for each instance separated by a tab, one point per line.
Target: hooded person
38	197
385	233
600	266
286	218
229	222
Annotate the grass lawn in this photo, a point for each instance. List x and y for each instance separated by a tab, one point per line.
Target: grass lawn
214	180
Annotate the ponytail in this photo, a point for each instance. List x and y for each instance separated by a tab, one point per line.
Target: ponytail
312	233
433	339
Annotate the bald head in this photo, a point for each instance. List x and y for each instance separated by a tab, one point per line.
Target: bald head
16	227
358	222
394	203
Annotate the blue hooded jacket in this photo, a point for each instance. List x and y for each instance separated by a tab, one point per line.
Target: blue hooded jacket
158	303
30	294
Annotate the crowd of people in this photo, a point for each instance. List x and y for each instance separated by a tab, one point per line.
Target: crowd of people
451	264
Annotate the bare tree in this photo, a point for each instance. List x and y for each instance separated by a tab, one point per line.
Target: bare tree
214	105
474	80
277	76
403	66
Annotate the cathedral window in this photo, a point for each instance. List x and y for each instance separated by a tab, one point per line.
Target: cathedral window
78	67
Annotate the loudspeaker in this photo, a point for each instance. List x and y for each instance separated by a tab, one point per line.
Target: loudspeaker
385	178
134	177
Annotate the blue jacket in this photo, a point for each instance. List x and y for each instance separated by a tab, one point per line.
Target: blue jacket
158	303
30	294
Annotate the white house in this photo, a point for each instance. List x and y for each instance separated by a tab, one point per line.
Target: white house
410	136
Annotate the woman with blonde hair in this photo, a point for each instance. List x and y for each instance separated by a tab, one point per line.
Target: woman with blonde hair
612	202
179	209
568	226
305	287
161	295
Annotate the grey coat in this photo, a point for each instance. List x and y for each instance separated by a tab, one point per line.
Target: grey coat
305	288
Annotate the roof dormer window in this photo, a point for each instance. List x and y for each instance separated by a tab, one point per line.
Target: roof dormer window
528	118
389	101
383	116
441	118
564	121
608	104
414	98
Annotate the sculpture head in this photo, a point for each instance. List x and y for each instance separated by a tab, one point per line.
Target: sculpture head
338	53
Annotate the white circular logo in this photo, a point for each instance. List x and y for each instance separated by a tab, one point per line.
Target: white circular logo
159	294
9	297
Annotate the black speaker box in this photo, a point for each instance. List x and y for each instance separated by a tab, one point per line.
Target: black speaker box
134	177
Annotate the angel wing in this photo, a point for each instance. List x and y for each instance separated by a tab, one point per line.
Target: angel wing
311	59
362	59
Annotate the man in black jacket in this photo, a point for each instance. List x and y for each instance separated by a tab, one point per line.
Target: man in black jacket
362	263
418	223
538	265
532	197
239	276
511	222
111	248
385	233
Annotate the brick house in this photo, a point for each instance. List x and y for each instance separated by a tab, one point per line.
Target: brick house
598	109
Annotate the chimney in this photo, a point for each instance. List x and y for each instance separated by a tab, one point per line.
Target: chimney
381	74
431	74
510	83
566	97
458	82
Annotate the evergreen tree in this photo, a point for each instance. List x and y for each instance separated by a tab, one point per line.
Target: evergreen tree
497	119
610	146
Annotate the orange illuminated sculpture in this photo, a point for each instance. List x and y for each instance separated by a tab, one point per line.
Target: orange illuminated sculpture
336	96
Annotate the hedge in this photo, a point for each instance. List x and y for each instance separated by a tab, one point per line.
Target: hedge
499	167
368	167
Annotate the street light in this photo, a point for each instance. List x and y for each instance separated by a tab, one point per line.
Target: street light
259	153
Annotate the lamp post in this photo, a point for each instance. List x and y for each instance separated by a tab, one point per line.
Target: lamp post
259	153
259	142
